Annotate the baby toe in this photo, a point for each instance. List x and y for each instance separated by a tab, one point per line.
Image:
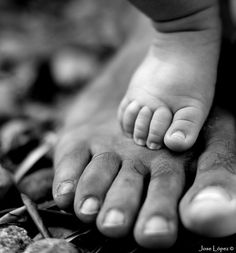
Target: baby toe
142	125
122	107
159	124
129	117
184	129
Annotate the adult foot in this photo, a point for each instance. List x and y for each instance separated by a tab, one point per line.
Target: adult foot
105	175
125	187
170	94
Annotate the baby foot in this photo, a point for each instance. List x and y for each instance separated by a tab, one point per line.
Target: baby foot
170	95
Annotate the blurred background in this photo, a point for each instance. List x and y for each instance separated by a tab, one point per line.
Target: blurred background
50	49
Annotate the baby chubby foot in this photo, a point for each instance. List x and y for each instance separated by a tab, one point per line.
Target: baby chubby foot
170	94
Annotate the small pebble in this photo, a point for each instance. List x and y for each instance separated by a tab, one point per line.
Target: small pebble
13	239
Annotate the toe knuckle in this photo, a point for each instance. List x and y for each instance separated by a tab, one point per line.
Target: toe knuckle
136	166
187	121
109	155
140	131
155	134
164	169
139	127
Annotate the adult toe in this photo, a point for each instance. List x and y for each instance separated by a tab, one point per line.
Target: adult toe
123	200
209	206
71	158
157	223
94	183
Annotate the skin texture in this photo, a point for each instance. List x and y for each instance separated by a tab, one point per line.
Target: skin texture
126	188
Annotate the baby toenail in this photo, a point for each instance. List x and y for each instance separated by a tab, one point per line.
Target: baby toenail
157	225
154	145
212	194
179	135
66	187
140	142
114	218
90	206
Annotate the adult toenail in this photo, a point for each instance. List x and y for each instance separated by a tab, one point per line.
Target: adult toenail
90	206
157	225
179	135
212	194
65	187
154	145
140	142
114	218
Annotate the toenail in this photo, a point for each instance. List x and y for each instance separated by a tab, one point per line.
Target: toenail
154	145
65	187
140	142
114	218
212	194
179	135
157	225
90	206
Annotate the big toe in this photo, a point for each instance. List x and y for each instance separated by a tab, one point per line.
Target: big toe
211	212
184	129
209	206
